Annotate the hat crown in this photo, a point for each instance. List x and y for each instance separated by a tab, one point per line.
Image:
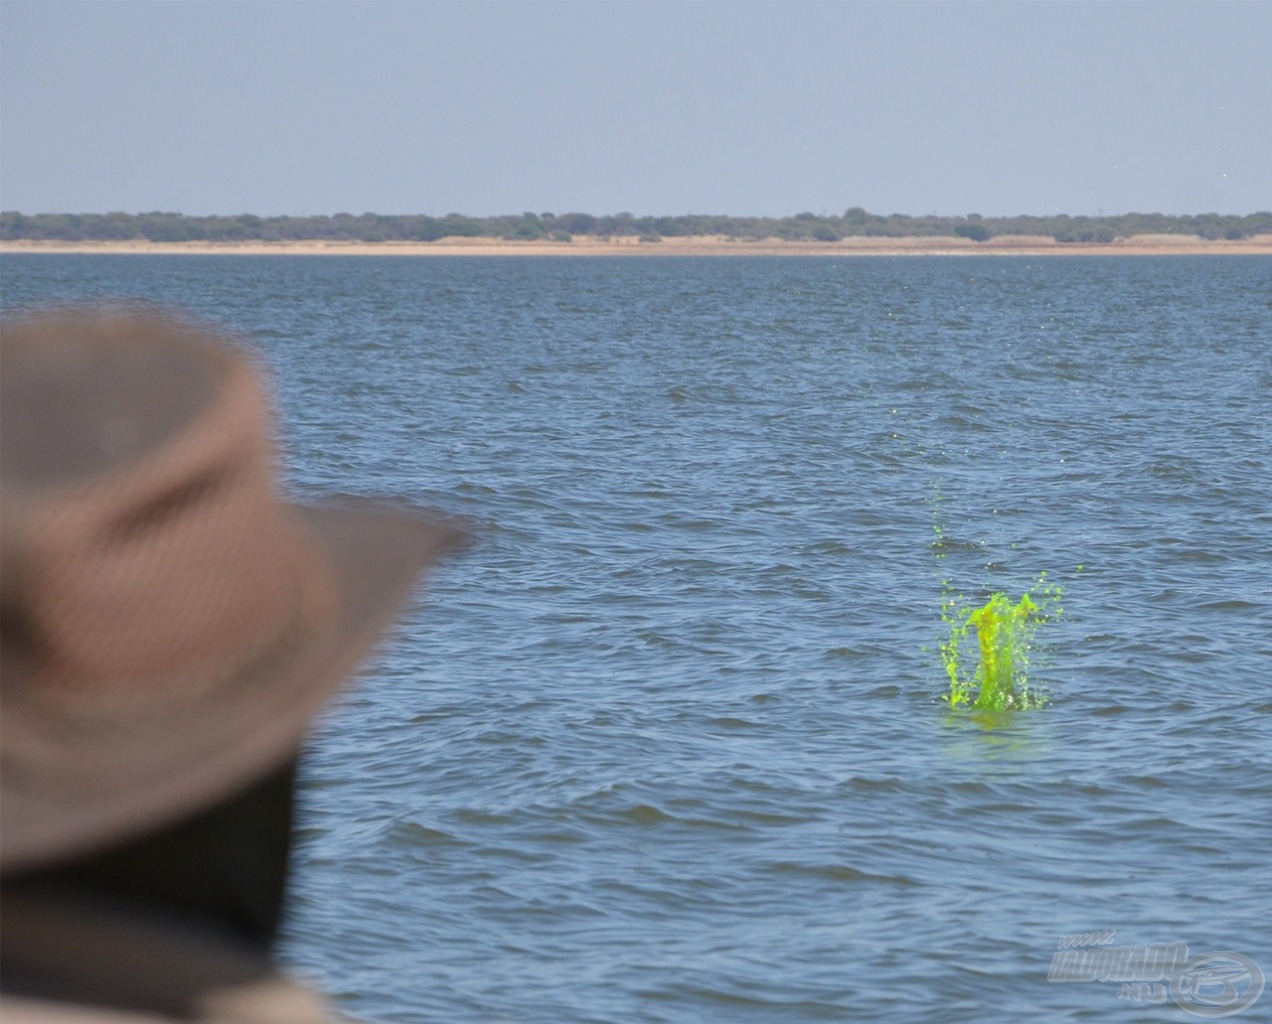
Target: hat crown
84	394
143	549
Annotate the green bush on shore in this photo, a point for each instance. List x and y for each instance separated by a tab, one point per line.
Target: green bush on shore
372	227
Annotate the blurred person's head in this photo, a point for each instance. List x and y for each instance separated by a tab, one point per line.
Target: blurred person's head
168	624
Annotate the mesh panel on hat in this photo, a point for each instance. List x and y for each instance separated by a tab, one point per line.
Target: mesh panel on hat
167	567
194	588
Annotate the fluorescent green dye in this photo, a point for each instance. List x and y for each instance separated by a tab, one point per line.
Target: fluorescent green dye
994	674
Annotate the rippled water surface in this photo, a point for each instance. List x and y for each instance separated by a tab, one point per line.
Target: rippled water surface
667	745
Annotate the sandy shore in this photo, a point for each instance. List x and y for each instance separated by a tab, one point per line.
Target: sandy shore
1140	245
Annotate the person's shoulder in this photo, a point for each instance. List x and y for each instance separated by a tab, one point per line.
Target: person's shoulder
276	1000
38	1011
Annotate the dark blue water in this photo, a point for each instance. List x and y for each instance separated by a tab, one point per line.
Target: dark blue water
668	745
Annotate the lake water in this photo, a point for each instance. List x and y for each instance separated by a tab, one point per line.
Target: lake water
668	745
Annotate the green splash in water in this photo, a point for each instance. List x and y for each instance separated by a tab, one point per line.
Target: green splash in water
999	680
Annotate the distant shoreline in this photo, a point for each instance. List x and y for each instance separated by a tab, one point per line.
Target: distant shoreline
694	245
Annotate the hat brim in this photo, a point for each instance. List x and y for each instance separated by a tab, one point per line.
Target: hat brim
74	783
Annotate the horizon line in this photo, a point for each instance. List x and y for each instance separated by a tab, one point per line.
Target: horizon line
802	214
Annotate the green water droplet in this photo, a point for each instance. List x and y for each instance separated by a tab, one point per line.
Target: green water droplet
993	676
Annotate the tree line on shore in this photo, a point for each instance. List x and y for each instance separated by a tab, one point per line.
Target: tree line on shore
374	227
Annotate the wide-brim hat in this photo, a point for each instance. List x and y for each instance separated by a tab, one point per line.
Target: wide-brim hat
170	626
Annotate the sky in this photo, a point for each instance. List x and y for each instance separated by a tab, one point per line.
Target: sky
763	109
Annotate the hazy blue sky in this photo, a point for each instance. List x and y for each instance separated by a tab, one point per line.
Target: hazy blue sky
738	108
